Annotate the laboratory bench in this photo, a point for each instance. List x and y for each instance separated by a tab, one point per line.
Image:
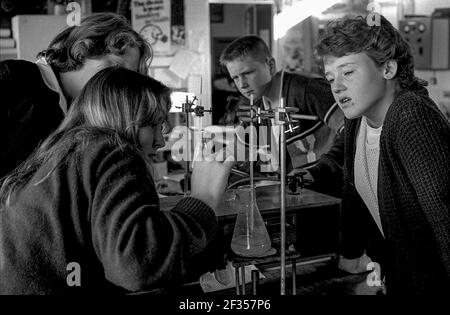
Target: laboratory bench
312	236
312	239
312	218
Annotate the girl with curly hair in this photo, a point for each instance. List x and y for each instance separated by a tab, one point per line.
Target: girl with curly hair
396	199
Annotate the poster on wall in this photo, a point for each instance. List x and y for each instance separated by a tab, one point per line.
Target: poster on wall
151	19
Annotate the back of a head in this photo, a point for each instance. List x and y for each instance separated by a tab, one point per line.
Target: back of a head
380	41
241	47
98	35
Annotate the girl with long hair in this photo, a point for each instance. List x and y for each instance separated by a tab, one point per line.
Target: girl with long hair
85	198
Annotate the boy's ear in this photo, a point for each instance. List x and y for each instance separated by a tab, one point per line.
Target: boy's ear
272	66
390	69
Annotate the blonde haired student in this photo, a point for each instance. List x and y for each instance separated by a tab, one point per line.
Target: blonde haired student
86	197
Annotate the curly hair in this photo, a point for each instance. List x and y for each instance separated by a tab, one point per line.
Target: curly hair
97	35
381	43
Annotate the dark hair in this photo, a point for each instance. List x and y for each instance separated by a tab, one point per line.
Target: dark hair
381	43
116	101
97	35
244	46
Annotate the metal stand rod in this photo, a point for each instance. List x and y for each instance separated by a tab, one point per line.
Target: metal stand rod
199	112
236	269
283	206
188	149
243	280
252	176
294	277
255	278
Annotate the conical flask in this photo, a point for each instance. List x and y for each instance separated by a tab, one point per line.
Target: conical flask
250	236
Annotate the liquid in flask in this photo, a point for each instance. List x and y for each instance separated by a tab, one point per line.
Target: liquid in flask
250	236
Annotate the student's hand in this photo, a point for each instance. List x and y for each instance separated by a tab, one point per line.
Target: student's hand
357	265
168	186
209	178
306	174
224	276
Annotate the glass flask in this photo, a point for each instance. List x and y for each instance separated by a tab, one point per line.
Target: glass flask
250	236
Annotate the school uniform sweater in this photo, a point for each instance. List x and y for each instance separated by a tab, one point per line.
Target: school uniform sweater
100	210
413	195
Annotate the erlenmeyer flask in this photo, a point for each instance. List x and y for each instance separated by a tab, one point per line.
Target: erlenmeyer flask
250	236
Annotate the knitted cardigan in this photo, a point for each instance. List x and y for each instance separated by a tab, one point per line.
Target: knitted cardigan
413	194
100	210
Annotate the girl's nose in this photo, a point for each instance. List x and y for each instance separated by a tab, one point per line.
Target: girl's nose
159	141
337	86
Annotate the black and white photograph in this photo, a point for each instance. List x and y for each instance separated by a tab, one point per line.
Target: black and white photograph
225	155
